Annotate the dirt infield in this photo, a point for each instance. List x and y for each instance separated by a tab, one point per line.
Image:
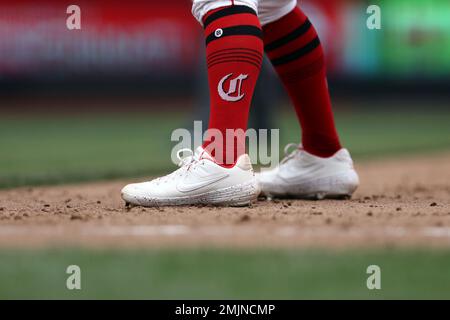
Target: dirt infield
404	201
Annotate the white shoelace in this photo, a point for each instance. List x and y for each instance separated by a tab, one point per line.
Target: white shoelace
288	155
185	163
185	160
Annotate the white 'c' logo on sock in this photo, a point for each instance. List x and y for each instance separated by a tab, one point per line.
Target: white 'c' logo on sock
235	88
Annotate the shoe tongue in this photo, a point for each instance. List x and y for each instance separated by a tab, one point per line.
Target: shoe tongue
201	153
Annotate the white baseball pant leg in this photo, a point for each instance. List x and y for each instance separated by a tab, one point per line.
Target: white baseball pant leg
268	10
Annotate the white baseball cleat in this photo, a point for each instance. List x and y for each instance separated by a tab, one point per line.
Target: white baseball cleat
199	180
305	176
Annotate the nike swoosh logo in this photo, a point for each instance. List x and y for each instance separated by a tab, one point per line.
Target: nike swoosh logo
188	187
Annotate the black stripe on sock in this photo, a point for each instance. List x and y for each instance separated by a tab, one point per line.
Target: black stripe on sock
228	12
297	33
233	54
236	31
235	50
297	53
236	57
257	65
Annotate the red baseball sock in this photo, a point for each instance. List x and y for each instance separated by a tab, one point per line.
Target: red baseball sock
294	48
234	51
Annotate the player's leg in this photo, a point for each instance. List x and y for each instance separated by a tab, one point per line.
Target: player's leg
320	167
219	173
293	46
234	51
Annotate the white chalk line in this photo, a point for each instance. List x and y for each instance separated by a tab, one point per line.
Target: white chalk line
223	231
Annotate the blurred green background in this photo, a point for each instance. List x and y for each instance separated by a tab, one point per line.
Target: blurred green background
225	274
61	149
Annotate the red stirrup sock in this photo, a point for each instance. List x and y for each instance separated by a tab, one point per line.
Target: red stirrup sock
234	51
294	48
